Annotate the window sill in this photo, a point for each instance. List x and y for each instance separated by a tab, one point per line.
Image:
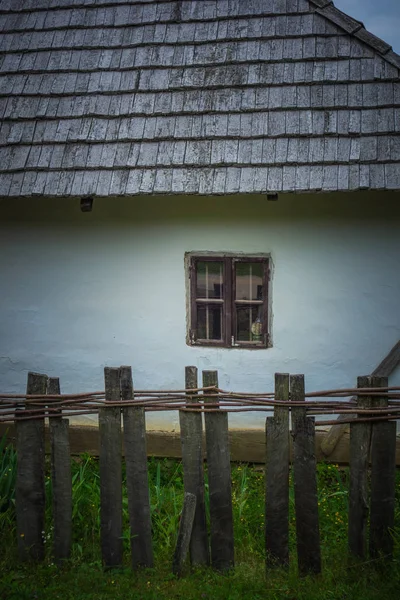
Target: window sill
242	345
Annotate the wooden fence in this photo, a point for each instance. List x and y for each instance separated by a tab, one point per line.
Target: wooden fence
373	446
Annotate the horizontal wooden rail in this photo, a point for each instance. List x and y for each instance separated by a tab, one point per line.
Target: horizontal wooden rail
246	445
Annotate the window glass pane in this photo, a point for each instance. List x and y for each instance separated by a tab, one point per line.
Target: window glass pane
209	279
249	323
249	280
209	321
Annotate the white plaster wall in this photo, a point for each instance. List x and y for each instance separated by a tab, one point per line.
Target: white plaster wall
82	290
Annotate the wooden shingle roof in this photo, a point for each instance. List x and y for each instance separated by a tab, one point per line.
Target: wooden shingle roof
119	97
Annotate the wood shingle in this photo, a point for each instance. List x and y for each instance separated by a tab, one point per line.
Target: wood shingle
119	97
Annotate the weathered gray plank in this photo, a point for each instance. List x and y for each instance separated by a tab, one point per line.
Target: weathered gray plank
277	478
136	475
334	434
383	480
219	482
360	440
389	363
110	464
61	480
193	472
185	532
29	487
305	483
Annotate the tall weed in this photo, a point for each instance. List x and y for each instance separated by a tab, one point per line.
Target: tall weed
8	471
166	498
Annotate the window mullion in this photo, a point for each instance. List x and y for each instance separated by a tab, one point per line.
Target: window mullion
265	303
228	300
193	307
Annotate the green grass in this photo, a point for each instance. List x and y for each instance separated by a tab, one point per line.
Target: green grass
8	465
82	578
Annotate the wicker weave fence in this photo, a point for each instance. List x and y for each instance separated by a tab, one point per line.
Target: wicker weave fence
372	410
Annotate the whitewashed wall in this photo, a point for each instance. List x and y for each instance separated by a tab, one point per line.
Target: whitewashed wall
82	290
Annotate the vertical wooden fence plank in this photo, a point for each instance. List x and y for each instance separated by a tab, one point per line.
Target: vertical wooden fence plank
219	481
360	441
185	532
277	478
137	479
110	463
29	487
61	480
305	483
193	473
383	480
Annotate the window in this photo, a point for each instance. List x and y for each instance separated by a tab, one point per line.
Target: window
229	300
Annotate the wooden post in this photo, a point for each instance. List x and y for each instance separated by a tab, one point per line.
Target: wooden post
185	532
305	483
383	480
360	441
219	481
110	463
137	479
277	479
29	487
193	473
61	480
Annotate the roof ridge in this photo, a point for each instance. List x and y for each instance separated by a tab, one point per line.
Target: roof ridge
327	9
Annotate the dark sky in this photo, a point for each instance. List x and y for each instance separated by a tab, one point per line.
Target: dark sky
380	17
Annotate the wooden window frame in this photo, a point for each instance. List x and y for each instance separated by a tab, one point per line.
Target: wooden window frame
229	302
